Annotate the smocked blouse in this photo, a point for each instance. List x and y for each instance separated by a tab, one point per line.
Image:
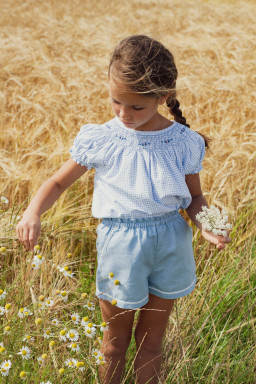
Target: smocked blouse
138	173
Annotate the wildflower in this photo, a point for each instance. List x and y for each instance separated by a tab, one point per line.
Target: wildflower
28	338
40	360
8	307
83	295
7	330
38	259
116	282
2	311
213	220
63	295
49	302
4	200
61	371
6	364
90	306
114	302
101	360
41	298
47	334
80	365
71	362
23	312
90	332
104	326
96	353
63	335
75	318
23	374
111	275
52	343
44	356
35	265
25	353
55	322
2	348
47	382
98	341
2	294
69	255
85	321
74	347
37	248
38	321
68	274
73	335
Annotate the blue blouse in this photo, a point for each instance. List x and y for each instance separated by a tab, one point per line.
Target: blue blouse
138	173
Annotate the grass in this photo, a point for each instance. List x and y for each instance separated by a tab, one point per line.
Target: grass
53	80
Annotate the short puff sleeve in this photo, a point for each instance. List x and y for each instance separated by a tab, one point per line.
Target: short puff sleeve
193	152
87	147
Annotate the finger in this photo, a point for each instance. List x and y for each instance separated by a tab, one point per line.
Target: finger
32	239
26	237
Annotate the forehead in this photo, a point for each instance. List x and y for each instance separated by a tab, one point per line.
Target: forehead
125	96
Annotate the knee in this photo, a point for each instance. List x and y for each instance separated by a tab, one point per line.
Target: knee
149	343
117	345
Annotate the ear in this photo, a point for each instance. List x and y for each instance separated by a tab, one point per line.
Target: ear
163	99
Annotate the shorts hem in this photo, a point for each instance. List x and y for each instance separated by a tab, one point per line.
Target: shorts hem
173	295
121	303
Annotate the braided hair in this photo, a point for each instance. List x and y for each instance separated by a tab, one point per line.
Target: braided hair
145	66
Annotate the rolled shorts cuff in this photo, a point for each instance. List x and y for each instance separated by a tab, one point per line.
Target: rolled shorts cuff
173	295
121	303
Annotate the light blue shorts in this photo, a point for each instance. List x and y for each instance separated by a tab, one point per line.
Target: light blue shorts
146	255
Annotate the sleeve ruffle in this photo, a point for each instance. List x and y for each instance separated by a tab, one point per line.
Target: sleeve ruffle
193	152
87	147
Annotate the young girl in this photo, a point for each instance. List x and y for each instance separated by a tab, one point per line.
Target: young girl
147	168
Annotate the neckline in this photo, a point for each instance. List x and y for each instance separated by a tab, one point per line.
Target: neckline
143	133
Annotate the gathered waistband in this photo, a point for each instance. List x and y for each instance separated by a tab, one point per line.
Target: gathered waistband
141	222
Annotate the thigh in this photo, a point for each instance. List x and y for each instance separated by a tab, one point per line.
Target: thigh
120	322
153	317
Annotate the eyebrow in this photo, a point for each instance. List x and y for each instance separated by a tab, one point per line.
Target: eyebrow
135	105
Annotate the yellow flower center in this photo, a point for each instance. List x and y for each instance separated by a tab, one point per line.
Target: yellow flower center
72	335
86	318
111	275
104	324
89	331
28	337
1	291
24	352
22	310
63	332
39	257
74	318
89	325
64	293
74	345
66	268
8	306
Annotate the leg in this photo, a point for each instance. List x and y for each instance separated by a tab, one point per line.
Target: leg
149	332
115	341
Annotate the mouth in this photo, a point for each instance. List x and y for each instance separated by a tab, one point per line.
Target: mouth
126	122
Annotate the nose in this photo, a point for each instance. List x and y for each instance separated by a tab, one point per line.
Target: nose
124	113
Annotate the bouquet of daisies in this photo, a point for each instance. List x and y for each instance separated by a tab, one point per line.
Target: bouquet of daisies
213	220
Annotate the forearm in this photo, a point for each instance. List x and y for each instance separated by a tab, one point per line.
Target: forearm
194	208
44	198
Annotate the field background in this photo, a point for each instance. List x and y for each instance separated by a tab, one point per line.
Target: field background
54	61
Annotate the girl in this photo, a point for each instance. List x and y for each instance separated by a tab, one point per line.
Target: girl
147	168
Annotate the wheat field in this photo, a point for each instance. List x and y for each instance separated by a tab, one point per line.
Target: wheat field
54	62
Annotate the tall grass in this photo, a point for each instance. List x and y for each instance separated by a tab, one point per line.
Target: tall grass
53	79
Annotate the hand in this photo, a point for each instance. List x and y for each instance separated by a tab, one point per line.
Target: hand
220	241
28	230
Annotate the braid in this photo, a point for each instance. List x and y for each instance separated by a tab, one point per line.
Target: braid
174	107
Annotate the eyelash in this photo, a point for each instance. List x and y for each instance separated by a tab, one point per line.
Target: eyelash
136	109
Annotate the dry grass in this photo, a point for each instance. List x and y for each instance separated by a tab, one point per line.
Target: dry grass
54	61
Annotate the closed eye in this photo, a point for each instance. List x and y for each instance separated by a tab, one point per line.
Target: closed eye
136	108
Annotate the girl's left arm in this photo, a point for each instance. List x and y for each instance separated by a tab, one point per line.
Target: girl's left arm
198	200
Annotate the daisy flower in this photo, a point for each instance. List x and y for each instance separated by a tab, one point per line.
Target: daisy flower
28	338
85	321
6	364
49	302
68	274
90	306
47	382
2	311
63	295
74	347
40	360
25	353
2	294
4	371
63	335
75	317
47	334
7	330
55	322
71	363
38	259
104	326
4	200
73	335
96	353
2	348
37	248
23	312
90	332
80	365
101	360
34	264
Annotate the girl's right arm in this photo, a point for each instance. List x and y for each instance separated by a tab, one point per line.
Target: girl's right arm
29	227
